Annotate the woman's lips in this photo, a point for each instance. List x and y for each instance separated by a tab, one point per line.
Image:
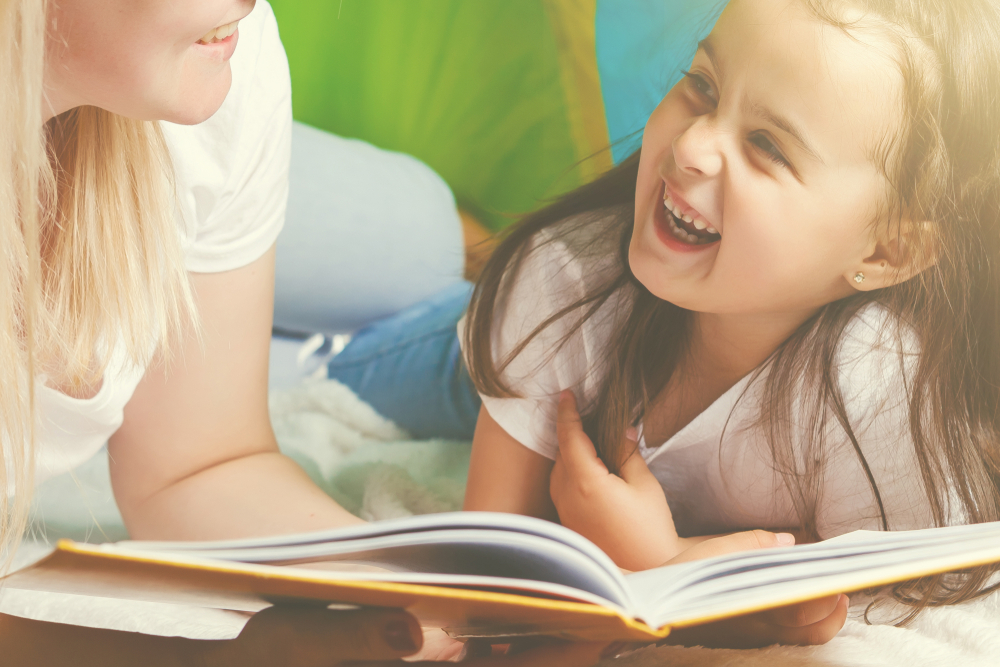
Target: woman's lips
220	34
220	49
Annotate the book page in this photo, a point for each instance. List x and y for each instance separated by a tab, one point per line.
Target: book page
749	581
482	544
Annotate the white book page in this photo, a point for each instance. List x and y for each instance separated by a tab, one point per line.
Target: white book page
757	578
460	543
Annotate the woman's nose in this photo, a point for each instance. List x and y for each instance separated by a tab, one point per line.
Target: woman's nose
697	150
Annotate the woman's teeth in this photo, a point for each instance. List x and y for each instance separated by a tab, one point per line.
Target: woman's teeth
220	33
697	222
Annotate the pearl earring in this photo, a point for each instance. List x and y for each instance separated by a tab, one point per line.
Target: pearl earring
859	277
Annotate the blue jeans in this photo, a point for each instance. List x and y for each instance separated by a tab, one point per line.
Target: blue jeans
409	368
372	247
368	233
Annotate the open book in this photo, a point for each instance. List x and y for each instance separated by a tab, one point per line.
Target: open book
496	575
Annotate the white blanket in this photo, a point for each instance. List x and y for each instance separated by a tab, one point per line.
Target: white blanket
369	465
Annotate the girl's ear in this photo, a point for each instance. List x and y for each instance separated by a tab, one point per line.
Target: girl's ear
895	256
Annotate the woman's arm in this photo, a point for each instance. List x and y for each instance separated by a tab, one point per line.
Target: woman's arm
196	457
292	636
28	642
506	476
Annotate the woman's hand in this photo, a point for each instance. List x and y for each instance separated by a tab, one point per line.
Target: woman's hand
626	515
806	623
303	636
316	637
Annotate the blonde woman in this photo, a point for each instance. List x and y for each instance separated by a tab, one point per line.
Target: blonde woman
143	182
138	269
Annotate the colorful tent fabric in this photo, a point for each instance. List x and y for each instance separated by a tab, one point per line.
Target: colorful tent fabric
642	46
511	101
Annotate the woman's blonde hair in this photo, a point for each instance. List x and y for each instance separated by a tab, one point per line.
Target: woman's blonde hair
90	254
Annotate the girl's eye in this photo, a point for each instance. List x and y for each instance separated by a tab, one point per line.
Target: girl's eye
701	85
769	150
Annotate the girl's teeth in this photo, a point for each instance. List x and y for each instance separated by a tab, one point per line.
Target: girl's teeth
683	235
698	222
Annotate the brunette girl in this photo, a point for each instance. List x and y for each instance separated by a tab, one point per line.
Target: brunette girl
783	312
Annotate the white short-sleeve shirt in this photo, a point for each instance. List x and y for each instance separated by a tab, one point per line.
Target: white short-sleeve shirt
717	472
232	187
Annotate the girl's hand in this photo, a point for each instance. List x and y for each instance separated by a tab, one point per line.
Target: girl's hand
626	515
806	623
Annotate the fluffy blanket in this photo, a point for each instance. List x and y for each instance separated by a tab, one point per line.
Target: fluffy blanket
373	469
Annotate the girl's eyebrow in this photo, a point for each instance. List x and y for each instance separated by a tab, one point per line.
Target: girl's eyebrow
706	46
759	110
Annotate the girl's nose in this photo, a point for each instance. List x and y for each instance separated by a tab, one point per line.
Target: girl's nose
697	150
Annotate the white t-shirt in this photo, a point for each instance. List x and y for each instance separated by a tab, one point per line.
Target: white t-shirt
232	184
717	472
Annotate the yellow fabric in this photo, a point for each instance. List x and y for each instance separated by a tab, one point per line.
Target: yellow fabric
575	33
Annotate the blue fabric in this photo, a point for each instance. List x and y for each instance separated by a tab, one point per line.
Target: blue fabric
409	368
368	233
642	46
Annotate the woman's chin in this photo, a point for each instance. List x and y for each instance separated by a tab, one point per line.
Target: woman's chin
198	103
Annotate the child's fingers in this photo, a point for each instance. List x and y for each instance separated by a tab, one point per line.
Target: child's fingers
727	544
804	614
635	471
567	416
756	630
576	451
819	632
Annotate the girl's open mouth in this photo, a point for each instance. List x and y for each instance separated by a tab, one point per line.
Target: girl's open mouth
687	230
681	227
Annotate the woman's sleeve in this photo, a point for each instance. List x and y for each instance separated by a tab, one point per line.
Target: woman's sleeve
231	171
874	365
547	280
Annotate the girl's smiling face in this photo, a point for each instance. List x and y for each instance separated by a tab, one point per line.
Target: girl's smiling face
144	59
772	140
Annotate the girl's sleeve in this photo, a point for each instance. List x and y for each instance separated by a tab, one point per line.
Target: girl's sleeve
547	280
874	365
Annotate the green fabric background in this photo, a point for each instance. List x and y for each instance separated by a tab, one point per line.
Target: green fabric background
471	87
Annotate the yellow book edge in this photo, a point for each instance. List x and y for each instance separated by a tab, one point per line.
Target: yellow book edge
85	569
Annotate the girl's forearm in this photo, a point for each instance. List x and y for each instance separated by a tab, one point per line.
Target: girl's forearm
260	494
506	476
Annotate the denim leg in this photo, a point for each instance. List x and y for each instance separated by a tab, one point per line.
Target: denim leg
409	368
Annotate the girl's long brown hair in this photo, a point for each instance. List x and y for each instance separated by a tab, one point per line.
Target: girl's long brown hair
943	166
